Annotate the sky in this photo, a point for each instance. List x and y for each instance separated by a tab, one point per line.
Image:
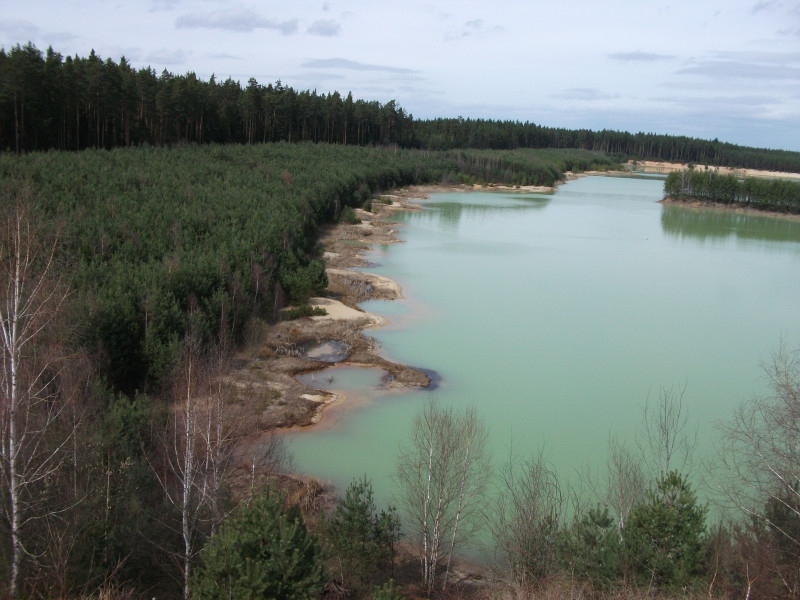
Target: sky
725	69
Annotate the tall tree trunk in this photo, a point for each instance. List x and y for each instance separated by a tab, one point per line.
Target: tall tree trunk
27	307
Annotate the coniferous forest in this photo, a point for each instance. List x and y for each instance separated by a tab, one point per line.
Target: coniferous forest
152	224
52	102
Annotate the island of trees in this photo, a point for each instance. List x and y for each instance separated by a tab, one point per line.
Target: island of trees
151	225
708	185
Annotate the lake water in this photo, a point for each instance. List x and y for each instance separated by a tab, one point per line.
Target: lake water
557	315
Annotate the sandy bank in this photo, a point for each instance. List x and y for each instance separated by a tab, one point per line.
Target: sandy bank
264	375
649	166
338	311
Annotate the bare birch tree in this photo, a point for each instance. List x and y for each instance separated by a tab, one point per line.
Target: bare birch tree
666	439
626	483
524	518
30	401
198	446
203	455
442	473
760	455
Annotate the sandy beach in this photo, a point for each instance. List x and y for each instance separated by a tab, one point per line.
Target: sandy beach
265	372
649	166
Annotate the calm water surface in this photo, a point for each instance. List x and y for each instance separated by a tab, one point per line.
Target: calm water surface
557	315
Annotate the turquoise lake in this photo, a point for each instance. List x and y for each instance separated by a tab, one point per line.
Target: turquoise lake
557	315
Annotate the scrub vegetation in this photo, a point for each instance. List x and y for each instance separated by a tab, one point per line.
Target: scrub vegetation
151	225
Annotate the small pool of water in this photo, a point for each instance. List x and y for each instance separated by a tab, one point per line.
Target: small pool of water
326	350
346	378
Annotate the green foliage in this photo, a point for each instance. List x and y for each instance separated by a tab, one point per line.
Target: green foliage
590	548
76	103
263	552
158	240
362	540
387	591
122	503
73	103
302	311
303	282
349	216
449	134
664	535
774	194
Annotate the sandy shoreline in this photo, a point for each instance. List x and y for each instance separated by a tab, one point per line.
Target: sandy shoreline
665	168
265	373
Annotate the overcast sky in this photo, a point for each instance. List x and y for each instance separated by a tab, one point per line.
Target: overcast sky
726	69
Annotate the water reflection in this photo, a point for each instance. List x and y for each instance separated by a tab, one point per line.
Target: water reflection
325	350
346	378
716	225
446	213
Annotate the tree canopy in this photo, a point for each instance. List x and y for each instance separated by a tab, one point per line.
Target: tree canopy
49	101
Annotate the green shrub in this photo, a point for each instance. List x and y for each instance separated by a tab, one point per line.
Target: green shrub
304	310
361	539
590	547
664	535
263	552
387	591
349	216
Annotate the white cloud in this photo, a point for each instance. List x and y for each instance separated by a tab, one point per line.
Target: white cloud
584	94
728	70
18	29
235	19
639	56
343	63
325	28
168	57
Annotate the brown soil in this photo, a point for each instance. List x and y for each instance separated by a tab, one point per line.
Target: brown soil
264	374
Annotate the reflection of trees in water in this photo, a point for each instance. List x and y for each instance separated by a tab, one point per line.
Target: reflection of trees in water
449	214
713	225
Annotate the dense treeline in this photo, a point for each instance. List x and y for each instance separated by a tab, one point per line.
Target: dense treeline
708	185
157	240
48	101
52	102
507	135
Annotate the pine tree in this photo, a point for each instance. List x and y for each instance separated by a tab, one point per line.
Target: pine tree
361	539
664	535
264	552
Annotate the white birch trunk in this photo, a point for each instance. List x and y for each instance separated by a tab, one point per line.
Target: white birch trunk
27	308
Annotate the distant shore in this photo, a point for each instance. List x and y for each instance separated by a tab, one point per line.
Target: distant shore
665	168
733	208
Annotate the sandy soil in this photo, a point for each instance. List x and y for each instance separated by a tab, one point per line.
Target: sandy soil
263	377
338	311
649	166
